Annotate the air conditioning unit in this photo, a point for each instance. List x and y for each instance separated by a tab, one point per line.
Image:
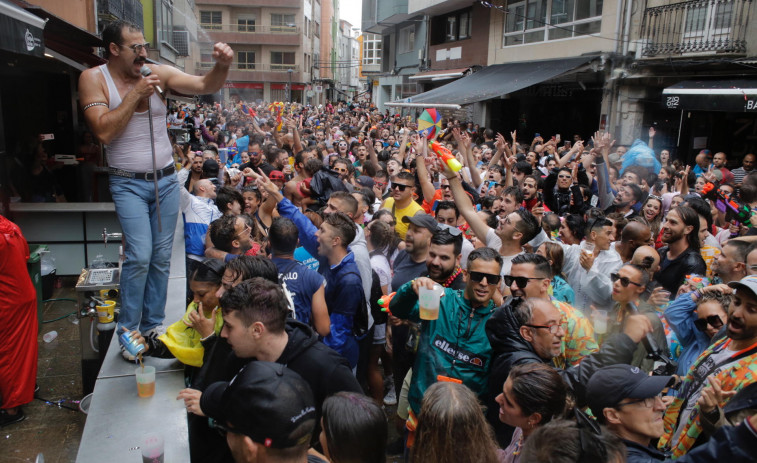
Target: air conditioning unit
181	42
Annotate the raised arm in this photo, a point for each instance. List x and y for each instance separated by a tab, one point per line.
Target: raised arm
199	85
564	160
423	174
465	206
602	144
296	142
286	209
372	156
403	148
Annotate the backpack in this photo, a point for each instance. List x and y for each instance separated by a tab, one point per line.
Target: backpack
379	316
323	183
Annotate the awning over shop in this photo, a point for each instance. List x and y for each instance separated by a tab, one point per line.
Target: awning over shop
68	43
20	31
501	79
734	95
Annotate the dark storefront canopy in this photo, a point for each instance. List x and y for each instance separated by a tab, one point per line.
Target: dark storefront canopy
501	79
20	31
733	95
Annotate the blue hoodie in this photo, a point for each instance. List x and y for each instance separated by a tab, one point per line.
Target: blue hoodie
344	287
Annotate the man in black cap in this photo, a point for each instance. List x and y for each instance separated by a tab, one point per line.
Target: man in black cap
409	264
629	402
267	412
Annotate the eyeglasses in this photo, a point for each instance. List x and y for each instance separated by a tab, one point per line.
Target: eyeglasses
554	328
400	186
655	197
521	282
340	169
379	184
564	176
247	230
444	187
648	401
712	320
624	281
137	47
478	277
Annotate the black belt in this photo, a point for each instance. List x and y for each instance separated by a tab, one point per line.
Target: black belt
150	176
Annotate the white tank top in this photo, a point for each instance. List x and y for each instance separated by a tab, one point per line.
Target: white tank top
131	149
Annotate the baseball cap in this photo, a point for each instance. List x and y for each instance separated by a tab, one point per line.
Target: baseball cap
265	401
422	220
210	168
276	175
608	386
365	181
745	399
749	282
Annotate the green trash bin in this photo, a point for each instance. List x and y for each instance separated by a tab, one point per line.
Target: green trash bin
34	266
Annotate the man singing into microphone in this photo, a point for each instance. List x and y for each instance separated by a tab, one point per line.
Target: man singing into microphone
115	99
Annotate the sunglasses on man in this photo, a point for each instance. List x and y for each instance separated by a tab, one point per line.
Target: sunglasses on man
520	282
400	186
713	320
624	281
478	277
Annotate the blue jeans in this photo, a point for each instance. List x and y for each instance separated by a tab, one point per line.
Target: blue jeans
144	276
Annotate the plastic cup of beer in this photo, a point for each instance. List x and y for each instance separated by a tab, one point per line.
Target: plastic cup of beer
145	381
588	248
152	447
428	302
599	319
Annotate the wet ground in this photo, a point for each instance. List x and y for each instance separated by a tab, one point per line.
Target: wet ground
50	429
51	426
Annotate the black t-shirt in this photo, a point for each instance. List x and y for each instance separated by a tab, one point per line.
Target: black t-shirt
673	272
405	269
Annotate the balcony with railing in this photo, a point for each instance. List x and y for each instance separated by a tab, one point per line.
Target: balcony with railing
252	34
256	72
258	3
695	27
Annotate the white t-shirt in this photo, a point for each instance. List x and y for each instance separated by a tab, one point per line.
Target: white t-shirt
380	264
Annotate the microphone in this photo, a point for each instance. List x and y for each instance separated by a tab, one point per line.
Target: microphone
145	71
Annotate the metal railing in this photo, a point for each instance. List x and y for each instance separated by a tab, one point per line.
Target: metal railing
251	29
253	67
698	26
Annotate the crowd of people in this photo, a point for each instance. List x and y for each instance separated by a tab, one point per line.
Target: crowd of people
603	294
599	301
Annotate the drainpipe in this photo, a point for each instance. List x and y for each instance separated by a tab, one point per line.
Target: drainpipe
618	13
627	30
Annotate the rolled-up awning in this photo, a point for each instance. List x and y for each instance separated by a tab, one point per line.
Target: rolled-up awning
440	75
733	95
20	31
498	80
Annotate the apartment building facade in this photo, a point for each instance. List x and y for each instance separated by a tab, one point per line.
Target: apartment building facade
272	43
691	76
